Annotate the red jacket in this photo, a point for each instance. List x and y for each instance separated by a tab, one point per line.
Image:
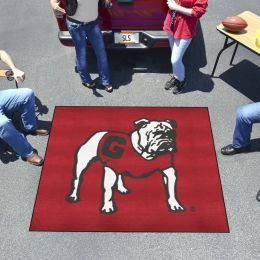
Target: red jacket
185	26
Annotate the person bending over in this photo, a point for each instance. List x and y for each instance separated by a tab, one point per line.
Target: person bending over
247	115
21	104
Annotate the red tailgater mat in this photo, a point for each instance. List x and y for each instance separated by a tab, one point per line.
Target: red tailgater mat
147	169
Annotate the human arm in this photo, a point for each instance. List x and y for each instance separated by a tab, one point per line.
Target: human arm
55	5
18	75
196	10
178	8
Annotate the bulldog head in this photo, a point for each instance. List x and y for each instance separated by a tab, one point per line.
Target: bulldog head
155	137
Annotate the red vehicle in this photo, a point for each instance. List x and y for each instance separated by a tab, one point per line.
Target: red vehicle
134	24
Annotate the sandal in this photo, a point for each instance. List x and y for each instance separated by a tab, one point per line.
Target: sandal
89	85
108	88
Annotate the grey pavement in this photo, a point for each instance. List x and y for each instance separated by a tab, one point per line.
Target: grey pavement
28	31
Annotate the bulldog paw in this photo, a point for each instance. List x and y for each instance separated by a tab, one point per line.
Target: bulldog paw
175	206
72	198
123	190
108	207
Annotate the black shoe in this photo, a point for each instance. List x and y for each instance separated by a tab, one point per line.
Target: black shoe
178	86
170	84
258	196
89	85
108	88
4	146
40	131
230	150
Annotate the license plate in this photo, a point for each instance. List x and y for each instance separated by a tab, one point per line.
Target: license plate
126	37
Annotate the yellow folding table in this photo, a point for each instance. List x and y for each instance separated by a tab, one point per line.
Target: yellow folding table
246	37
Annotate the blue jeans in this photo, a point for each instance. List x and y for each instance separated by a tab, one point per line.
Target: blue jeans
80	33
17	102
246	116
179	47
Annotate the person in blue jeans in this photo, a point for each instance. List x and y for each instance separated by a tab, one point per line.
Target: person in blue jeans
19	104
246	116
83	26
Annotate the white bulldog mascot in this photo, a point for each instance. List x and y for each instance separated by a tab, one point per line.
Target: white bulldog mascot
148	149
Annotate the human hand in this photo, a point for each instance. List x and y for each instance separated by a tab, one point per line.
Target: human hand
57	9
18	75
172	5
107	3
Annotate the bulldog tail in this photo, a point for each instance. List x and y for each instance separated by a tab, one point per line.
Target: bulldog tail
83	158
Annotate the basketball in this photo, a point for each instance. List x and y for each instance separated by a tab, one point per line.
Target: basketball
234	23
